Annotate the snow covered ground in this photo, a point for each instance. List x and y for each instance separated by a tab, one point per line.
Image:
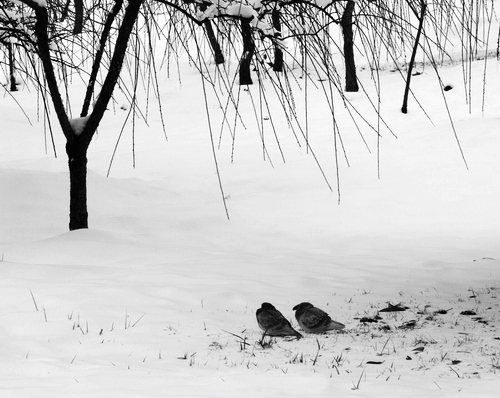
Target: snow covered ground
158	297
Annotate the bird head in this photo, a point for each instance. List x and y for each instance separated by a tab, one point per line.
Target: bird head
302	306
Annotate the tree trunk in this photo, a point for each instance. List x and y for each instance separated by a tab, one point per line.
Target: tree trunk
78	28
423	5
278	52
212	39
12	67
77	161
351	81
248	51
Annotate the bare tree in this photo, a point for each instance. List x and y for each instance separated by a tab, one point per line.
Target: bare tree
79	131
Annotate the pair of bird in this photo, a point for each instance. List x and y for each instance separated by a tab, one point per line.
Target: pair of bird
311	320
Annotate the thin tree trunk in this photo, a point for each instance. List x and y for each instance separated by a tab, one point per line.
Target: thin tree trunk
78	28
351	80
278	52
212	39
423	5
248	51
12	67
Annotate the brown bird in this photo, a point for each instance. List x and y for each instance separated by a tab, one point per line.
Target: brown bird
314	320
273	323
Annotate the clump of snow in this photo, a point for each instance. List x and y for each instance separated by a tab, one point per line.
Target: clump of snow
78	124
247	9
40	3
240	10
256	4
323	3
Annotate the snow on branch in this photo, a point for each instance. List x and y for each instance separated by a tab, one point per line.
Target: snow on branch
323	3
246	9
31	3
78	124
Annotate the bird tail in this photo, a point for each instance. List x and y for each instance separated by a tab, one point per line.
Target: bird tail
334	325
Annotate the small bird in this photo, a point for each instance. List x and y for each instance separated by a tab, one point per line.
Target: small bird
273	323
314	320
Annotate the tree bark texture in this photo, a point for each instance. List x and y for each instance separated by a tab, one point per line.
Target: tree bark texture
351	80
248	51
